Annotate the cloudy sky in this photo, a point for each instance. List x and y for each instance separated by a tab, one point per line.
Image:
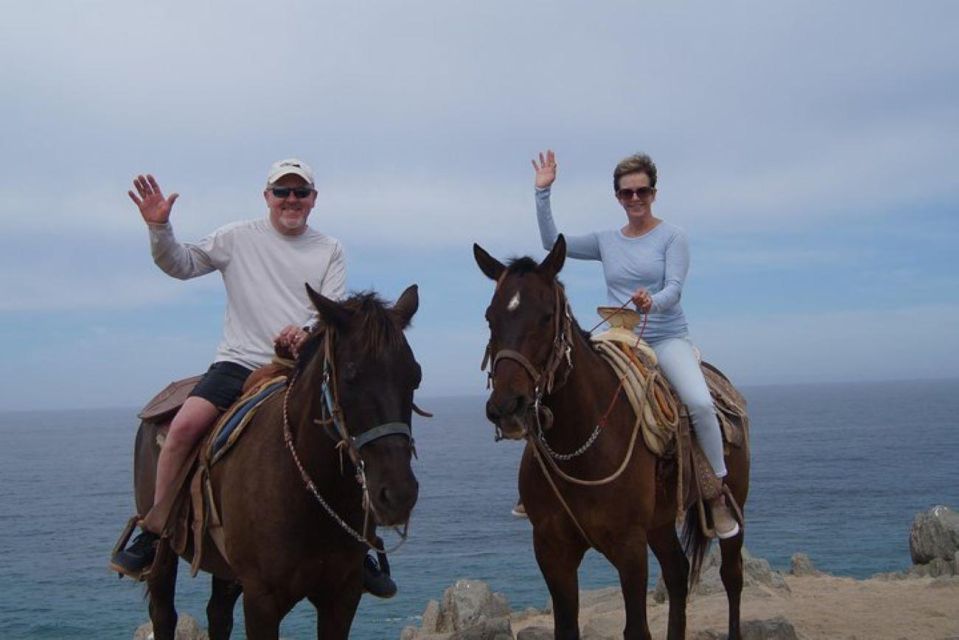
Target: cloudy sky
810	150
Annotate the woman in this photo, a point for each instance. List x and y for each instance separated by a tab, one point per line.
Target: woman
646	261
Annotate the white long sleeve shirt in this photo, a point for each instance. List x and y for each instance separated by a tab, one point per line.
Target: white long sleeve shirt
264	273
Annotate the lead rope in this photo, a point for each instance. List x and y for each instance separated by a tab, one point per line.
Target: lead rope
602	481
311	486
559	496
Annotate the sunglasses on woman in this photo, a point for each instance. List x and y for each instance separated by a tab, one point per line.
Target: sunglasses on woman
643	193
284	192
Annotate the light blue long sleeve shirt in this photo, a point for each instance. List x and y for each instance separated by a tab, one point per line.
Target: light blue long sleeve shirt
657	261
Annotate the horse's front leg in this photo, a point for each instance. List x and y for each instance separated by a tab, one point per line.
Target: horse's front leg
161	585
219	609
335	612
632	562
263	609
675	568
558	562
731	572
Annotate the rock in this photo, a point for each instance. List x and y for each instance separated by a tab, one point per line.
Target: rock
756	574
431	617
486	629
934	534
187	628
777	628
467	603
801	565
535	633
469	611
937	567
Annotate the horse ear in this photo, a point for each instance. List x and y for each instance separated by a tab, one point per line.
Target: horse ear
407	304
331	312
552	264
489	265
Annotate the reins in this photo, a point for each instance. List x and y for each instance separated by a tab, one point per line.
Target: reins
352	445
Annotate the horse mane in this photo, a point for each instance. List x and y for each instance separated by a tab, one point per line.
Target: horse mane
372	321
521	265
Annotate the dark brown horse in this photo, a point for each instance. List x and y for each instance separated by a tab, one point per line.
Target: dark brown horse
541	359
281	544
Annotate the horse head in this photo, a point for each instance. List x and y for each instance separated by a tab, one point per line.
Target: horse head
369	376
529	324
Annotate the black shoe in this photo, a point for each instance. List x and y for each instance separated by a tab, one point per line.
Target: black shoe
138	557
376	580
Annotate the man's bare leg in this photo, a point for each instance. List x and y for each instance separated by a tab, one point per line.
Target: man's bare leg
190	424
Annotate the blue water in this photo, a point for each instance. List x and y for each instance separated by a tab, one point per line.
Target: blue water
839	471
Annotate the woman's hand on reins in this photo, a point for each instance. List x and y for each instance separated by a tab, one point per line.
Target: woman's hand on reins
545	170
642	300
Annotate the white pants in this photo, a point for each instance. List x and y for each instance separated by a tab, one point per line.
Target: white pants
678	362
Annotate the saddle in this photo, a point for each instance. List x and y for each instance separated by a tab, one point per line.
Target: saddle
665	423
191	513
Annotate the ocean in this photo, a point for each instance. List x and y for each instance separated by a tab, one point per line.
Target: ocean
839	472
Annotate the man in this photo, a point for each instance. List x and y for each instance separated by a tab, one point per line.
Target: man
264	264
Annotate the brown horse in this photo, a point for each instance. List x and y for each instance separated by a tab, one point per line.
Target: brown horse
544	366
281	544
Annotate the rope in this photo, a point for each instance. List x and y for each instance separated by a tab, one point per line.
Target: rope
641	392
602	481
311	486
549	478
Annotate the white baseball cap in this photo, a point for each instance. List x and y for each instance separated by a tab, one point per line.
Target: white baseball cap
289	166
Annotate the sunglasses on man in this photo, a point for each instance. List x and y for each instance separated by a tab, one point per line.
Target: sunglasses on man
284	192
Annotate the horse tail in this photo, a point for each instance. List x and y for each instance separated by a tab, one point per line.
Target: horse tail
695	544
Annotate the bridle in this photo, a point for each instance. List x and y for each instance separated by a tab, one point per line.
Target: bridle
334	424
545	381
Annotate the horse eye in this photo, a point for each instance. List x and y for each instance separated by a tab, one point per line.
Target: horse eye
349	371
546	319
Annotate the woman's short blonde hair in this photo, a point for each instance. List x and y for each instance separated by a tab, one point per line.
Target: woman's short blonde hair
636	163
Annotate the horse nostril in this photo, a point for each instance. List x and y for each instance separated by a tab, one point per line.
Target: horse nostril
511	406
520	404
398	498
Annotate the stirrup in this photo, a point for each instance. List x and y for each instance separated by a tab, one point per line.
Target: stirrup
120	545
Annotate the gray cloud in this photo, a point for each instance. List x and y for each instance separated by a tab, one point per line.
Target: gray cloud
420	119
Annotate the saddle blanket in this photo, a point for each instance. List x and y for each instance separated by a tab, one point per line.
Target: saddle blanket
231	424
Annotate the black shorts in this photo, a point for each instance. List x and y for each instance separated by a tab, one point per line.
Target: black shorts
222	384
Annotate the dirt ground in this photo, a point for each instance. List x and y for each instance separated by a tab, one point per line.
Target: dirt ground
818	607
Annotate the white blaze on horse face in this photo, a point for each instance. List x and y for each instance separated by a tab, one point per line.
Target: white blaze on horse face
513	302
